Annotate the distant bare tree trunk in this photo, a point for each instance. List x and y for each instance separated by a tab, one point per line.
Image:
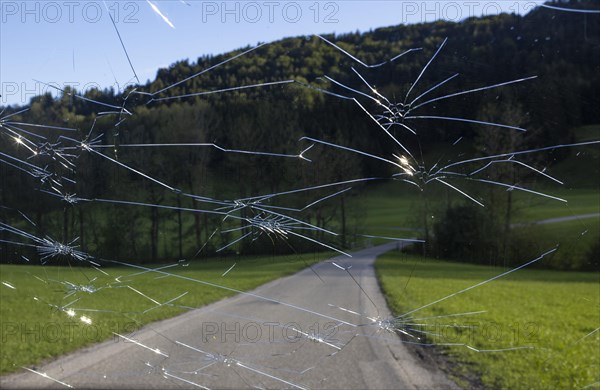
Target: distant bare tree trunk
179	228
65	225
131	222
206	234
81	230
197	223
154	233
507	219
343	206
197	227
320	224
425	220
39	219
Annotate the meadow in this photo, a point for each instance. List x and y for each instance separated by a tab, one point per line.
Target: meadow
554	313
48	311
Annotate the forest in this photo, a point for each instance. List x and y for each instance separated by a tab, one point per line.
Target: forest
561	49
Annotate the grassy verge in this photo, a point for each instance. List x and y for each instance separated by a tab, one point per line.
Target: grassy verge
36	325
552	311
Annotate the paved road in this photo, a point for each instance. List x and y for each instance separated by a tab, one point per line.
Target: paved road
558	220
258	346
569	218
542	222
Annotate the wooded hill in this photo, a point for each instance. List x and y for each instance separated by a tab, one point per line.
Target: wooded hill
562	49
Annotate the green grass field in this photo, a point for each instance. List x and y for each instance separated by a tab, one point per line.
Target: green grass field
35	325
574	238
549	310
579	201
394	204
388	205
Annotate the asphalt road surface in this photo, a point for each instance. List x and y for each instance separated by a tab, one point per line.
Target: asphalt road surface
558	220
569	218
301	337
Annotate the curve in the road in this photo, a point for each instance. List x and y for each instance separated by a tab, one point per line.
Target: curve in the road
247	342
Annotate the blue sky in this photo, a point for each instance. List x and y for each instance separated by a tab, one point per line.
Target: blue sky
75	43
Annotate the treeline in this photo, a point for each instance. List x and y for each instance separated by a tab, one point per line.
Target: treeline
562	49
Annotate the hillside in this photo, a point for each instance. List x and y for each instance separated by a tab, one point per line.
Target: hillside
558	48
